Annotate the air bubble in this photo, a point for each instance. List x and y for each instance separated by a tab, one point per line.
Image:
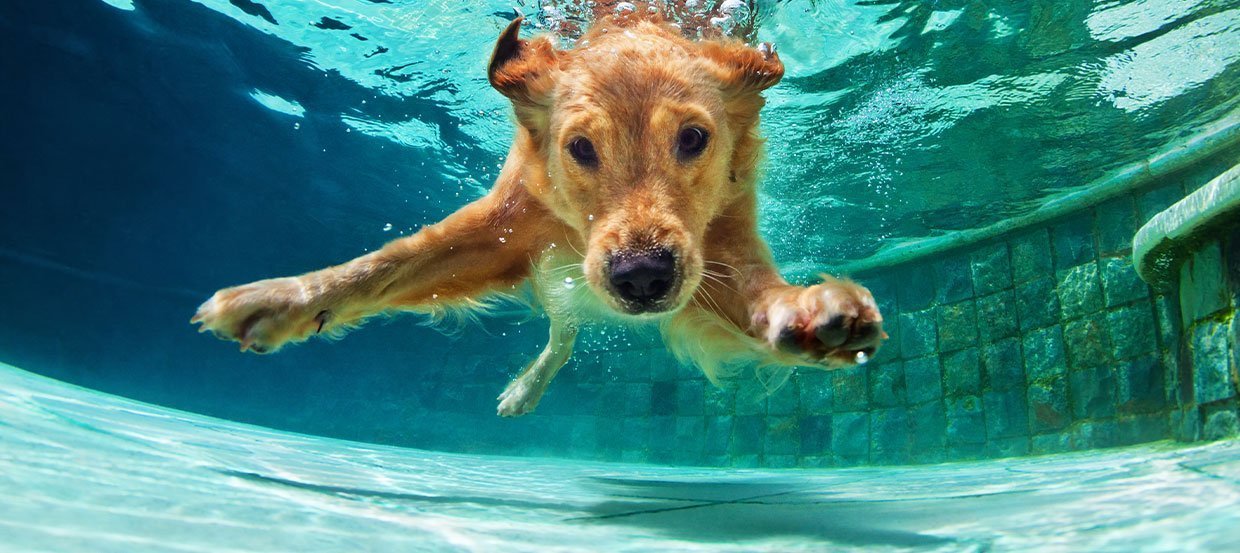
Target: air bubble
387	227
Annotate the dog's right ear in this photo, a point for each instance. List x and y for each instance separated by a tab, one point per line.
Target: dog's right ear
524	72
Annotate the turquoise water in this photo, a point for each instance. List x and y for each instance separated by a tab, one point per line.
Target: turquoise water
91	472
157	150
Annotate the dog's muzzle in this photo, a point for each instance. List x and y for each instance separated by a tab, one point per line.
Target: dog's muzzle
643	280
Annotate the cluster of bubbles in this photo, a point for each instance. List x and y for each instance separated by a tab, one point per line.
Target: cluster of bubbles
569	19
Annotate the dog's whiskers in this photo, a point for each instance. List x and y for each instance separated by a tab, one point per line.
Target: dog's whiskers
574	247
713	306
718	279
722	264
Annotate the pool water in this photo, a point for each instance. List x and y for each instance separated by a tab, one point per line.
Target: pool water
982	167
93	472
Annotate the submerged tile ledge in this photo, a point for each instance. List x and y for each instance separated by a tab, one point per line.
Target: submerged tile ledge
1216	138
1171	236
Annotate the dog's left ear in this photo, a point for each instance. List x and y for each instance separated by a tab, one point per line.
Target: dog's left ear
742	69
523	70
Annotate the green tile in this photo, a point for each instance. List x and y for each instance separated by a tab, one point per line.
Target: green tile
1031	256
689	397
965	422
637	400
663	366
1221	423
1203	288
1007	447
1212	379
851	389
1080	290
918	333
850	434
996	316
992	269
957	324
783	436
923	380
1141	429
1120	282
1087	342
779	461
636	433
1140	385
1132	331
928	427
1167	320
890	441
815	461
817	392
1044	353
1037	304
1155	201
962	373
663	398
663	436
718	400
745	461
815	435
1072	242
1007	414
1116	223
916	293
748	435
886	384
953	279
1092	392
718	435
1003	366
750	396
1048	405
1055	442
784	400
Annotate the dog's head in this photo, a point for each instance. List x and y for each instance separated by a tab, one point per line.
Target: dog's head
645	138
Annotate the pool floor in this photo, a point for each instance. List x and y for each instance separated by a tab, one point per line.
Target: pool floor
85	471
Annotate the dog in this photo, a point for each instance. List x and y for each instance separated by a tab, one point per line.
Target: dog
633	171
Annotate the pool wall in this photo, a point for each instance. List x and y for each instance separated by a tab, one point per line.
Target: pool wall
1039	340
1209	287
1192	249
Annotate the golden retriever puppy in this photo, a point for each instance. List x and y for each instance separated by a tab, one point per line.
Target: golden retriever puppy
628	192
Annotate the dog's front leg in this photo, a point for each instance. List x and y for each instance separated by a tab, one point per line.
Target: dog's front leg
523	393
470	253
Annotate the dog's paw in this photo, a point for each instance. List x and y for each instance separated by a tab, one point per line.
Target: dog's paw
262	316
833	323
519	398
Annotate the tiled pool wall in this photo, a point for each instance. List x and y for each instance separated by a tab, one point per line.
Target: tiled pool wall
1042	340
1209	288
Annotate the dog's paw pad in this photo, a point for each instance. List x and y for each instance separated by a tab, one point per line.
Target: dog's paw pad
835	323
519	398
262	316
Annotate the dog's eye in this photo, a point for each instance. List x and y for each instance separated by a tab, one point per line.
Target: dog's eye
582	150
691	142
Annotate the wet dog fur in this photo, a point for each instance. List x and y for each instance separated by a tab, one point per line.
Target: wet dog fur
633	171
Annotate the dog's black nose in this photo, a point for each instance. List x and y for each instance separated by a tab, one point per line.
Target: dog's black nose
643	278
